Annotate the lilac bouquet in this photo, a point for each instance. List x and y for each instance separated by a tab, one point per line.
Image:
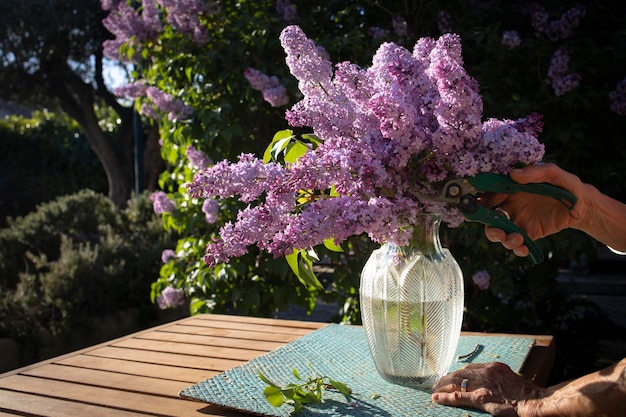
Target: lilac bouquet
386	133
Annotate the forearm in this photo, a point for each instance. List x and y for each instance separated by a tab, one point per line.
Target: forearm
605	219
600	394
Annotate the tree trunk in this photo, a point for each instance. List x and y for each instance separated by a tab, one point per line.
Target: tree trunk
77	99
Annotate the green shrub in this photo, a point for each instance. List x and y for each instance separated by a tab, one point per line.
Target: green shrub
41	158
77	257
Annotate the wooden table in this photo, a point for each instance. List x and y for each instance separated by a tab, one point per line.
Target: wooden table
141	374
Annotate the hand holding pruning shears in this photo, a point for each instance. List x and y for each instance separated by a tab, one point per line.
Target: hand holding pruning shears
515	213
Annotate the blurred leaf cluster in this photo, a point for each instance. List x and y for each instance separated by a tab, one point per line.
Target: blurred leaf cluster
77	257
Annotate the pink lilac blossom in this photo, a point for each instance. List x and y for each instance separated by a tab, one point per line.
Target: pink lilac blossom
129	26
444	21
400	26
287	10
175	108
618	98
198	158
273	92
161	203
561	28
184	16
135	26
481	280
132	90
412	118
377	32
170	298
511	39
562	82
211	209
167	255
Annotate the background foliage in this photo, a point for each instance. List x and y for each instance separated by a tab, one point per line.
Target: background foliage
77	257
42	157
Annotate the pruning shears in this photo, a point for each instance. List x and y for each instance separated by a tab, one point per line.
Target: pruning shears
464	193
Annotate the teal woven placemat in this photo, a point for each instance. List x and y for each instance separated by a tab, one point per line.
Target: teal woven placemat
341	353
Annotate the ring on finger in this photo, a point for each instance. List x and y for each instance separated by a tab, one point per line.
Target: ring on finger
464	385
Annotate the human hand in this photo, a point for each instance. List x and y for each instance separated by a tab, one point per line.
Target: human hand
491	387
539	216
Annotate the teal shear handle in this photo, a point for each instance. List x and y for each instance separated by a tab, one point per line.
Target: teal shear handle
503	184
492	218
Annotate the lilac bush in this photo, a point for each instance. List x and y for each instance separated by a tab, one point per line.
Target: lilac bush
387	132
162	203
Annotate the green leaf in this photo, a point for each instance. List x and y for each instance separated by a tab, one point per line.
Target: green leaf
341	387
330	245
280	135
312	255
294	151
274	396
295	373
278	147
292	260
306	274
313	138
196	306
267	380
302	396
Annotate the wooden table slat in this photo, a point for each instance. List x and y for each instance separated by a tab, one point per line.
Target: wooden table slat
265	328
123	382
242	352
205	340
188	328
19	403
106	397
256	321
164	358
151	370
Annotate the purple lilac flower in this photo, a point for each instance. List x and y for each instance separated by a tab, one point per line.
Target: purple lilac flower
128	26
377	32
175	108
273	92
135	26
286	10
618	98
170	298
161	203
511	39
410	119
132	90
558	29
211	209
481	280
562	82
198	158
167	255
444	21
400	26
184	15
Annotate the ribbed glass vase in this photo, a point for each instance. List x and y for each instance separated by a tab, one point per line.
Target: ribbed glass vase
412	307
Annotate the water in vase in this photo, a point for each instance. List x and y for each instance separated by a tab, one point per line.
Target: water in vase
412	310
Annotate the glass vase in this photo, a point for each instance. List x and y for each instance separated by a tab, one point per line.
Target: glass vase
412	307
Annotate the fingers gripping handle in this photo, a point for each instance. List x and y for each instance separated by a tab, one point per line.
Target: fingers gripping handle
496	183
492	218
